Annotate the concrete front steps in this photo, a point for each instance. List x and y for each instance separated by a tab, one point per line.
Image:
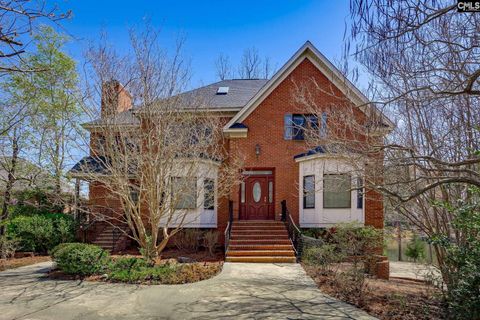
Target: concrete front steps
260	241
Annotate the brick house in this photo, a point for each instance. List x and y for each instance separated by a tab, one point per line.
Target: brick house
280	171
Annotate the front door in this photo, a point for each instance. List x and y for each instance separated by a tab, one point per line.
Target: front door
257	198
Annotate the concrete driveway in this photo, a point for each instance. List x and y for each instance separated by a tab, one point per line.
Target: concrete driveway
241	291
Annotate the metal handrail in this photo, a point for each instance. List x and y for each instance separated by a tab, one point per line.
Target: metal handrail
116	233
228	229
294	232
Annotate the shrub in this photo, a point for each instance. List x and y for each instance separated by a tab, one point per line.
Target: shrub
188	239
41	233
462	260
349	241
165	274
141	273
415	249
357	242
128	263
210	241
8	247
35	233
80	259
323	256
36	202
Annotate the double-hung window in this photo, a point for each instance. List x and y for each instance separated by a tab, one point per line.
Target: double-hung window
296	126
336	191
184	192
309	192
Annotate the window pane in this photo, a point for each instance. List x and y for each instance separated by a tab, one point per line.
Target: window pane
242	192
209	190
308	192
288	128
359	193
184	193
257	191
134	196
298	126
336	191
323	126
270	191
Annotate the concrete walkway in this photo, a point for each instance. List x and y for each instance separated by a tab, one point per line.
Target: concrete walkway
241	291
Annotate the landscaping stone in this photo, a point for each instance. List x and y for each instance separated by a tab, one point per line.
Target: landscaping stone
186	260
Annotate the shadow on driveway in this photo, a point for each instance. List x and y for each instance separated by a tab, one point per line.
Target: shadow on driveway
241	291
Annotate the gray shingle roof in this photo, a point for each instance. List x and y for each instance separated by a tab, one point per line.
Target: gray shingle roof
88	165
239	93
123	118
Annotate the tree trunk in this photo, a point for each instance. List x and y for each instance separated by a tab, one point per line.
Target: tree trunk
399	230
10	181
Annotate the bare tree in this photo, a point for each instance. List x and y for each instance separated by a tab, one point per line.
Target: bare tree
164	161
267	68
423	57
250	64
223	67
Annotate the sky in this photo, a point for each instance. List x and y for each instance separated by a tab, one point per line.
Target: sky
275	28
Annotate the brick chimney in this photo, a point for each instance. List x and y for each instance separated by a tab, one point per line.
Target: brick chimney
115	98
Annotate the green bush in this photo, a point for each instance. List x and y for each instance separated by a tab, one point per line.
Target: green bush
35	202
40	233
80	258
415	249
134	270
128	263
141	274
462	261
354	240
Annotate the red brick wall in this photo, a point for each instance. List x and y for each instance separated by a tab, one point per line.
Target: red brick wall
266	128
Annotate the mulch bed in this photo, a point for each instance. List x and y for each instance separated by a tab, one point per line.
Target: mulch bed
193	267
173	253
190	272
393	299
21	262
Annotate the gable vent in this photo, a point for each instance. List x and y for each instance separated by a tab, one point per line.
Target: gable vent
222	90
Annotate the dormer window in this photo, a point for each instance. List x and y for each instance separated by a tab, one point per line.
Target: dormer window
222	90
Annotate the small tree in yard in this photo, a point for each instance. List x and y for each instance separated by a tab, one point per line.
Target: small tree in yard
170	160
415	248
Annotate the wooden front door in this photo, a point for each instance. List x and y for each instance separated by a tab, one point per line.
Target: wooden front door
257	200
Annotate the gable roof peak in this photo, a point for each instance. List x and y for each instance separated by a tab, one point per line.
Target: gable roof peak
309	51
